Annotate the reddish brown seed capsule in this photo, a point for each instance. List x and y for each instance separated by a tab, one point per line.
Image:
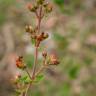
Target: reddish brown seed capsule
45	36
31	7
53	60
19	63
40	37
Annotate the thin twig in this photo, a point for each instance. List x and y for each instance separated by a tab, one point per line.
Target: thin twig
37	14
28	73
36	48
28	87
42	68
39	17
35	62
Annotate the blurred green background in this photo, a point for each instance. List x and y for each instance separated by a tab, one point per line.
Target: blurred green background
72	29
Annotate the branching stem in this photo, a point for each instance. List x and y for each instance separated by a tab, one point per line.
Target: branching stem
39	17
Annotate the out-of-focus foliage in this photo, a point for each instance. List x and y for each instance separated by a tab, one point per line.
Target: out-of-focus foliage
4	8
68	6
29	59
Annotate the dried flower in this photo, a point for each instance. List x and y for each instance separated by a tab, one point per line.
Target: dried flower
53	60
29	29
44	54
42	36
19	63
31	7
48	7
45	36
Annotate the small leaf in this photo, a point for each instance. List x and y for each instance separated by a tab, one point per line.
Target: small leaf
38	78
25	79
32	41
28	80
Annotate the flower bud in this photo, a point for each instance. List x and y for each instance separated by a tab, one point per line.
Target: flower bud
44	54
45	36
29	6
28	29
45	5
48	8
32	8
53	60
16	78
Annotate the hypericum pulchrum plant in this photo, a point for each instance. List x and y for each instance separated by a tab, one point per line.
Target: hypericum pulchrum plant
24	82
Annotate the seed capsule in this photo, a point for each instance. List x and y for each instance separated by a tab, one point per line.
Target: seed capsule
45	36
19	63
40	36
32	8
48	8
28	29
53	60
44	54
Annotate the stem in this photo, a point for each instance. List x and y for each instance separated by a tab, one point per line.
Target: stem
44	61
28	73
36	48
35	62
25	94
40	70
36	14
39	19
34	70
